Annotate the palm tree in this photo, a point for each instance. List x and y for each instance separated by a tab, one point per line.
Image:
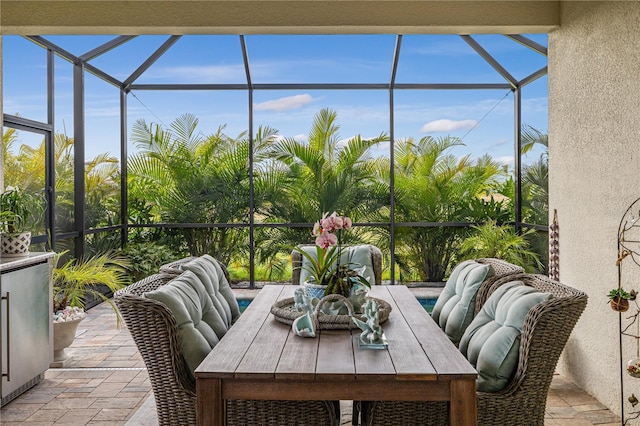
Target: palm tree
532	136
535	178
182	176
434	186
502	242
325	174
26	170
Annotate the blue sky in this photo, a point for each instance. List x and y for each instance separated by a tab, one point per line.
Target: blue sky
483	118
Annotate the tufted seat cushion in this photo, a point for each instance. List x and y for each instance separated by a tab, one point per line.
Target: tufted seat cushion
358	256
196	317
491	343
456	304
208	275
224	288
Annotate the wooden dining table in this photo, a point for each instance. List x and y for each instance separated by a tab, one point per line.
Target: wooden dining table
261	358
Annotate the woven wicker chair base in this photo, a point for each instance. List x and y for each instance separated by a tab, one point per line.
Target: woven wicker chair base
182	411
155	332
491	412
545	332
278	413
406	413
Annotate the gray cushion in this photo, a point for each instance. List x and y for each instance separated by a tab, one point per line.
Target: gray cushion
456	304
187	298
209	277
358	256
492	340
225	288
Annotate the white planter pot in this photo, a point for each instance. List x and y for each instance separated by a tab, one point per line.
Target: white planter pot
15	245
63	335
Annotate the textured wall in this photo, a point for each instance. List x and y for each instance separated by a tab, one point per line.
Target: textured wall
594	160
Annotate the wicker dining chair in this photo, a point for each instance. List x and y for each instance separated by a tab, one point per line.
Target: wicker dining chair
376	262
501	269
546	329
155	332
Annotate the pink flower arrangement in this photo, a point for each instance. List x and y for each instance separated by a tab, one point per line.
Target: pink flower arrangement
323	229
325	268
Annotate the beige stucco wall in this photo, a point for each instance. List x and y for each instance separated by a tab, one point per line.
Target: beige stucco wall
594	160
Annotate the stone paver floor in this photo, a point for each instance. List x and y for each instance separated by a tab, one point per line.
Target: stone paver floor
106	383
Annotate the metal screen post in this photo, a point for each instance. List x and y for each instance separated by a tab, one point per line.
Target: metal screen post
78	158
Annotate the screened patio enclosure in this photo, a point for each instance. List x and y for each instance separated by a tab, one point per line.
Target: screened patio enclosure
235	145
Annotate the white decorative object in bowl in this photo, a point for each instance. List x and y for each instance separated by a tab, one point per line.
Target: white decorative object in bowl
304	326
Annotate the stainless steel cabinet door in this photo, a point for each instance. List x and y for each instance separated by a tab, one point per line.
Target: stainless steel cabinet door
25	319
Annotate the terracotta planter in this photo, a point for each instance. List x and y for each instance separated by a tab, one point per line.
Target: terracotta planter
63	335
619	304
15	244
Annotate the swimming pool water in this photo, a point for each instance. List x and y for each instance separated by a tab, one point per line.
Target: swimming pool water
243	303
427	303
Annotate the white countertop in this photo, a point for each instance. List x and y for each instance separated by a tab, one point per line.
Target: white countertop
19	262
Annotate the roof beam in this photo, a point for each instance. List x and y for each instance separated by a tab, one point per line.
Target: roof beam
490	60
279	17
105	47
151	60
527	42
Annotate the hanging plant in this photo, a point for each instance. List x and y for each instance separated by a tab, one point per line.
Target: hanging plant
633	367
619	299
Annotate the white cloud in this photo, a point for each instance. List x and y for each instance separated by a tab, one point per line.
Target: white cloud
301	138
344	142
445	125
507	159
285	104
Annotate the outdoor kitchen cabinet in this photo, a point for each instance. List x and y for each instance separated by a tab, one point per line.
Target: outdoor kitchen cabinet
26	326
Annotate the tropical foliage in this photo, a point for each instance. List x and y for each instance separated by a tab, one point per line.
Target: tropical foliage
74	280
502	242
198	186
25	168
305	179
182	176
20	211
434	186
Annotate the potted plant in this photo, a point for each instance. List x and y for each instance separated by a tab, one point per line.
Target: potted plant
619	299
73	281
20	213
326	274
